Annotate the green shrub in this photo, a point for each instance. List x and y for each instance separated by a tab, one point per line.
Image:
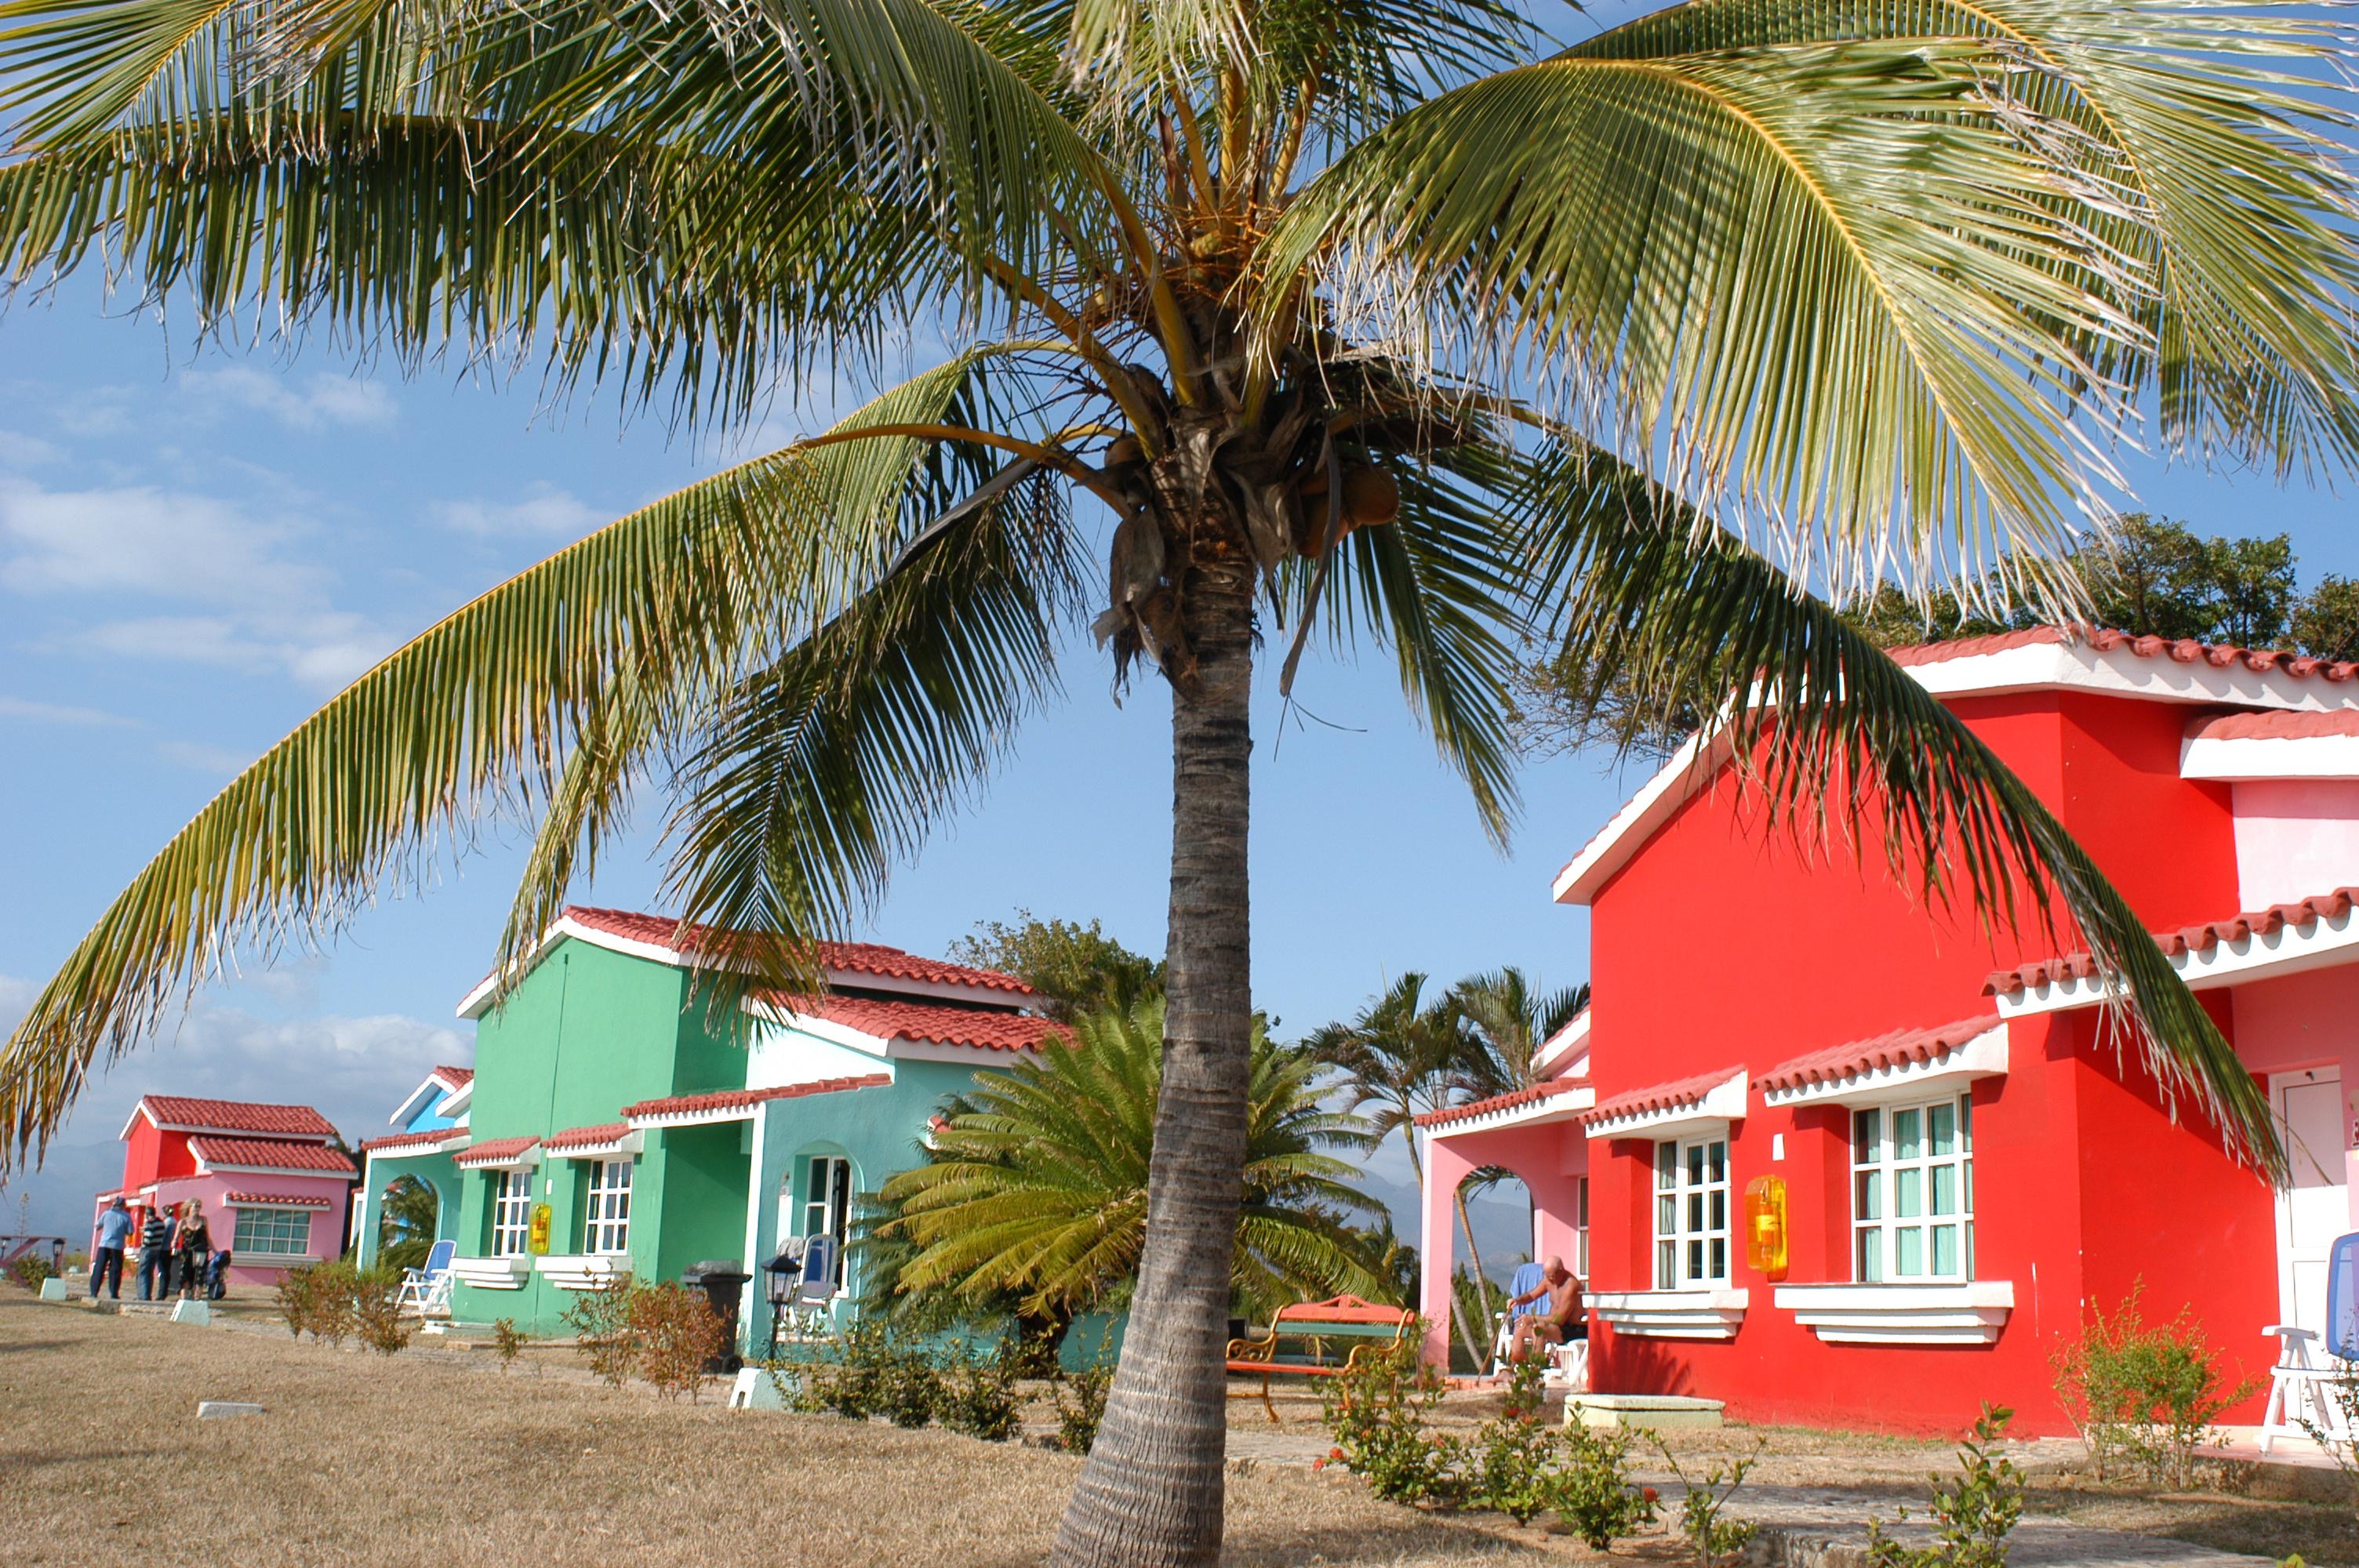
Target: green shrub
909	1386
30	1270
850	1382
1514	1451
2144	1397
979	1398
1712	1539
1590	1492
601	1322
377	1319
1972	1516
334	1313
1081	1406
1376	1414
508	1341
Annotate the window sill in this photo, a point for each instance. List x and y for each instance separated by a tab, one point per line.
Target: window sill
1703	1313
1901	1314
582	1270
492	1274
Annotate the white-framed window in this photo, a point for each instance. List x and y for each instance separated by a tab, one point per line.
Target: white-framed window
1581	1225
272	1232
511	1213
1912	1191
827	1203
1690	1212
607	1226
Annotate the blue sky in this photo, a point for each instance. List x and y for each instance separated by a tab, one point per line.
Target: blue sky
197	547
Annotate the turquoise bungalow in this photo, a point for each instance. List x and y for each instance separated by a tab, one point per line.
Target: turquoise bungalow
605	1127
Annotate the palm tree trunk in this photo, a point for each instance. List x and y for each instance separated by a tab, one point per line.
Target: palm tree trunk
1482	1285
1151	1493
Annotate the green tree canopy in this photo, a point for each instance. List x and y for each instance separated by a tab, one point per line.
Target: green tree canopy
1079	969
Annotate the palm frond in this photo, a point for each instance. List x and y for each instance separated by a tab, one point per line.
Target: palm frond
1835	733
479	713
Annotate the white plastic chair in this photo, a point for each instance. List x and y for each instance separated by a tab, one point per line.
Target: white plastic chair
2300	1389
426	1291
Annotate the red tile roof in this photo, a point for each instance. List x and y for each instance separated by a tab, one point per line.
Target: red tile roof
1900	1047
405	1139
932	1022
1674	1096
2277	726
271	1154
1530	1095
587	1137
849	958
2219	655
2186	939
739	1100
492	1152
457	1078
237	1116
279	1200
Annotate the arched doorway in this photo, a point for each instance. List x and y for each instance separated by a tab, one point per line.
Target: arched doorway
408	1219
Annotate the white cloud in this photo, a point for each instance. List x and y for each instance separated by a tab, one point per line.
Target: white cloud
55	713
19	450
324	651
319	401
218	759
544	511
138	539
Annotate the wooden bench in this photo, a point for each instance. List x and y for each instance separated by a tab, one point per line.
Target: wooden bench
1318	1339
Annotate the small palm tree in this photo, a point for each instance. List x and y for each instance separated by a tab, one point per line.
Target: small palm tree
1387	318
1508	1020
1036	1186
406	1223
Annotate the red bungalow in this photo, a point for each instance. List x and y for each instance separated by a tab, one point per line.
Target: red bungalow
1968	1163
274	1186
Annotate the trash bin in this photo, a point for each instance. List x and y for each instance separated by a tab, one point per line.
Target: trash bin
724	1284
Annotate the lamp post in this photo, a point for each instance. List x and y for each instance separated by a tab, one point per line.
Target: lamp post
779	1277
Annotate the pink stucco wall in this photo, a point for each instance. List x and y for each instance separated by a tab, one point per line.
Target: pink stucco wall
326	1233
2309	1020
2295	838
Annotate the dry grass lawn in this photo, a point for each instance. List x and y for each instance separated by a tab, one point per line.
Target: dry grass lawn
362	1460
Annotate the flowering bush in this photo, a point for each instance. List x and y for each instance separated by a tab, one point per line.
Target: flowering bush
1514	1451
1972	1517
1590	1490
1375	1412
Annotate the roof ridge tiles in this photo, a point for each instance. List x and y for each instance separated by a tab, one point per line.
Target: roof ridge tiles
1894	1048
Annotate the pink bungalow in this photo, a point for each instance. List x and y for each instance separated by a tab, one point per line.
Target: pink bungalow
1831	1156
273	1186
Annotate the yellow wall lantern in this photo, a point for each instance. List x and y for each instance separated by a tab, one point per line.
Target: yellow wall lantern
537	1242
1764	1227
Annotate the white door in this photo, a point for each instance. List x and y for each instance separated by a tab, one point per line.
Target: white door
2309	1107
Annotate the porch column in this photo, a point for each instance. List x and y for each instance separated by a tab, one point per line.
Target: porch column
1445	1167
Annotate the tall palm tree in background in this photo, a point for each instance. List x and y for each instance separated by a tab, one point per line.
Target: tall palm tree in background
1036	1189
1508	1019
1354	316
406	1228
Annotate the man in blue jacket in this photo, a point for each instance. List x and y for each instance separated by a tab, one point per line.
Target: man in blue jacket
106	1261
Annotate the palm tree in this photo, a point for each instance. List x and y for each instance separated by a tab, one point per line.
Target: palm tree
1508	1019
406	1224
1036	1186
1870	286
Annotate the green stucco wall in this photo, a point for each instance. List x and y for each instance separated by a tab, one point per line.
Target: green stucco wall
447	1180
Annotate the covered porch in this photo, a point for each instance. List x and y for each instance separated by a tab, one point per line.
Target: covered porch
1534	1134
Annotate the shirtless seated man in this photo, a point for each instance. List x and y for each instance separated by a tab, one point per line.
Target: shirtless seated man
1560	1320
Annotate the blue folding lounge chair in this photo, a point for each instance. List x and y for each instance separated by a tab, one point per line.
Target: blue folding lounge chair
428	1290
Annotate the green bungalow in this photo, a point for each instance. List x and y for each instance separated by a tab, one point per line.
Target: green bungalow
605	1127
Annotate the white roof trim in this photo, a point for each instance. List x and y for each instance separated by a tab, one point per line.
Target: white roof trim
710	1116
2246	758
897	1048
1983	1057
630	1142
207	1168
1567	1046
2035	666
526	1160
455	1138
2290	949
1561	1107
1723	1103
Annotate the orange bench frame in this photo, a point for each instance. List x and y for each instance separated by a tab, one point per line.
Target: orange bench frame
1314	1321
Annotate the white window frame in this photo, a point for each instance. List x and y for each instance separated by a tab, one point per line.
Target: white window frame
1883	1180
511	1213
1581	1227
248	1235
1692	1211
606	1209
827	1203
